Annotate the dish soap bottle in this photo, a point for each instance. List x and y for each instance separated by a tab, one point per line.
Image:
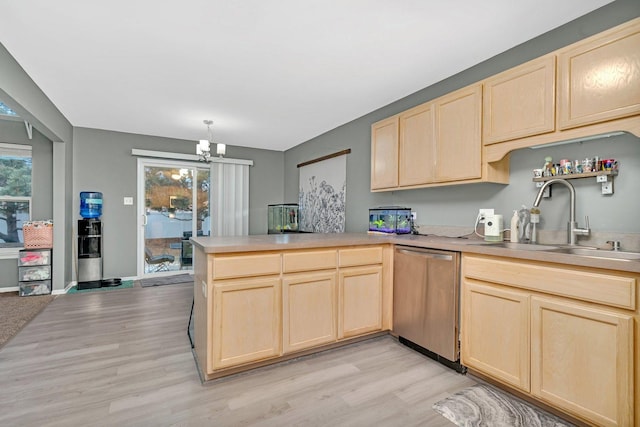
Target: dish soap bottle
515	223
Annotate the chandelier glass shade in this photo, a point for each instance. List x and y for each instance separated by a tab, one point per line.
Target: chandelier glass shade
203	149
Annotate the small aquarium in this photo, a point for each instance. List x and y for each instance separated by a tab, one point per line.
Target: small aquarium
390	219
283	218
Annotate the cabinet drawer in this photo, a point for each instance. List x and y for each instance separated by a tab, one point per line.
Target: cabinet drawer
42	287
28	274
308	261
34	257
602	287
360	256
226	267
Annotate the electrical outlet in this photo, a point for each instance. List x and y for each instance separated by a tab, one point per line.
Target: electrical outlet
414	216
484	213
607	187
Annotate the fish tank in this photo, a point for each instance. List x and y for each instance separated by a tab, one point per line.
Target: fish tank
390	219
283	218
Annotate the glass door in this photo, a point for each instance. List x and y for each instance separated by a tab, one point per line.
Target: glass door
173	200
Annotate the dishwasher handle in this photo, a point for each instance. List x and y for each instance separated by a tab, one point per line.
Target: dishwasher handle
426	254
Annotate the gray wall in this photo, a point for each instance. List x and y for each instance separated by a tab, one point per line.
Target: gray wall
19	92
458	205
103	162
41	180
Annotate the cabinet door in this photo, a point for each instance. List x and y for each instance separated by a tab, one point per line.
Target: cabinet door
458	135
495	332
359	301
417	146
384	154
247	313
599	78
582	360
309	310
520	102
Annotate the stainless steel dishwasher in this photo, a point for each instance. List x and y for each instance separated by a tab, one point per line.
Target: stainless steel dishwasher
426	302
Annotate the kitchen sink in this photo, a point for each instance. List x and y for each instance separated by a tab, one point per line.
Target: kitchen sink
519	246
598	253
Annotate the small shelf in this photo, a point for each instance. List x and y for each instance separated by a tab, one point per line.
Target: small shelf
577	175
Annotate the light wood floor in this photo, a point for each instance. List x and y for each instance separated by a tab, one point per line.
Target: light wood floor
123	358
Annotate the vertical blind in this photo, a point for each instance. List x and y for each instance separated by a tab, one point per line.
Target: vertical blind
229	199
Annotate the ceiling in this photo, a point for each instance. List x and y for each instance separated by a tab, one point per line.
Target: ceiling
269	73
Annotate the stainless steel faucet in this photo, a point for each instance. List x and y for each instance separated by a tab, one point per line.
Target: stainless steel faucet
572	227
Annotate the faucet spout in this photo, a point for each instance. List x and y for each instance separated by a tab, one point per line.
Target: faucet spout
572	227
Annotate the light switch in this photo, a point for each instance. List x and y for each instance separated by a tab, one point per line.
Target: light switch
128	200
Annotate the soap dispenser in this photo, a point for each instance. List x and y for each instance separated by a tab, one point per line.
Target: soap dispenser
515	222
535	220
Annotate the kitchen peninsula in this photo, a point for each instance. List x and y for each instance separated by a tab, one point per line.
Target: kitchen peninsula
261	299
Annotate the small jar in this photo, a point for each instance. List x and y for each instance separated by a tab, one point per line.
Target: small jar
577	166
587	165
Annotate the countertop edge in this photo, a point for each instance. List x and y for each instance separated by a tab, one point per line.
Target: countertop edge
278	242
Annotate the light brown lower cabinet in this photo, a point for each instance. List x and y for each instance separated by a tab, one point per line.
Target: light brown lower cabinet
256	308
359	301
309	310
576	356
495	336
582	360
247	315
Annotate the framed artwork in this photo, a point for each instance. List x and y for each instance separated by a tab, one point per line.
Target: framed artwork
322	194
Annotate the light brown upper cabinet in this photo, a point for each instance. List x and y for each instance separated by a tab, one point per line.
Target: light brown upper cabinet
437	143
599	77
458	135
520	102
417	146
384	154
597	91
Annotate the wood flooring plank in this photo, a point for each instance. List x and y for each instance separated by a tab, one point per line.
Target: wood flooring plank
123	358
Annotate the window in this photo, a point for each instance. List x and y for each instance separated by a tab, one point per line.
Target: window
6	111
15	193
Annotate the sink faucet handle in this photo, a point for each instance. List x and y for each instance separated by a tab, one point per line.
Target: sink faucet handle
586	222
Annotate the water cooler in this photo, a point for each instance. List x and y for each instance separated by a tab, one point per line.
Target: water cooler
90	241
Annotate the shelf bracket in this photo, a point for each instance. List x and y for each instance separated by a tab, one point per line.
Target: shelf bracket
29	128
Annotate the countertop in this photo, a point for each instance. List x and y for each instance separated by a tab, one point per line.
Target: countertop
274	242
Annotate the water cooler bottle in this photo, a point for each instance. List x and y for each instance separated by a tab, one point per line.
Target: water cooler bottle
90	241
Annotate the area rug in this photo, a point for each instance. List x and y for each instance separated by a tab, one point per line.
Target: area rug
125	285
481	405
166	280
16	312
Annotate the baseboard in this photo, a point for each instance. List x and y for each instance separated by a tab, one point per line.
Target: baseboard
65	290
59	291
75	283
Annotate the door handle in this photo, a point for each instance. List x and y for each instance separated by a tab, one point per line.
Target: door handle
144	220
427	254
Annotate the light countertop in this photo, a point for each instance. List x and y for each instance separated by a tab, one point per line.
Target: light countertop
291	241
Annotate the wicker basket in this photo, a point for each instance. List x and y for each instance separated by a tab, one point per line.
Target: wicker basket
38	234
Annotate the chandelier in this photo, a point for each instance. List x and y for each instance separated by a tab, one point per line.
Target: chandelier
203	149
